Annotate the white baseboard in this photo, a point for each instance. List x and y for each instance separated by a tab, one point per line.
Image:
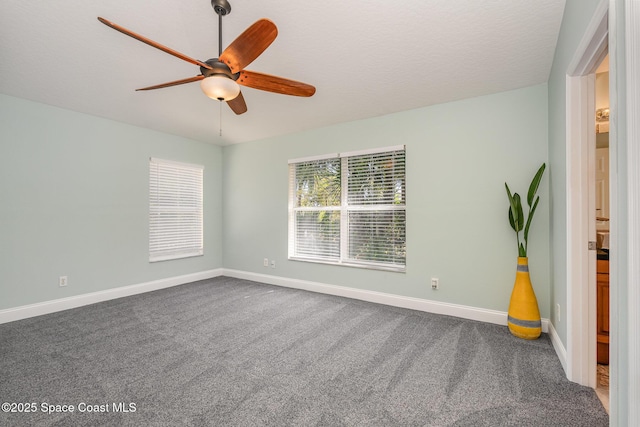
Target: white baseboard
462	311
38	309
558	346
436	307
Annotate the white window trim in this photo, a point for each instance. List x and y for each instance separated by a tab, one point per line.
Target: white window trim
372	151
314	158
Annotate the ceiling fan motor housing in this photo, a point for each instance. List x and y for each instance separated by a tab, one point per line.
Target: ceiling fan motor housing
217	68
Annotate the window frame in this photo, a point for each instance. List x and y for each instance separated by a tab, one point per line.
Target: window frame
344	209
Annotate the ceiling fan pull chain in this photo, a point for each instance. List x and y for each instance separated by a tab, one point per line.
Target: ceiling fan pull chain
220	122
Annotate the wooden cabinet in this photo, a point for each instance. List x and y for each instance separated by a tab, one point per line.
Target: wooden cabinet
602	310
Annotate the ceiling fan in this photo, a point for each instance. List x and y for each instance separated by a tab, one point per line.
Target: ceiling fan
219	77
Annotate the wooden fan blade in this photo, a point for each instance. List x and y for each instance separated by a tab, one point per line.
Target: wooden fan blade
274	84
249	45
237	104
174	83
154	44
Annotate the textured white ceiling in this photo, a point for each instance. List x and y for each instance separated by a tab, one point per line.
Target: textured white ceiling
366	58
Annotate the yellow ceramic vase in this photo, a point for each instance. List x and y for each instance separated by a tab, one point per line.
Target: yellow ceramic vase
524	315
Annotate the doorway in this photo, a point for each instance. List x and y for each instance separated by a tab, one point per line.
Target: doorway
602	225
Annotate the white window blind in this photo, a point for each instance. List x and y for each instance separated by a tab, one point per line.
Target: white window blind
316	216
349	209
175	210
376	208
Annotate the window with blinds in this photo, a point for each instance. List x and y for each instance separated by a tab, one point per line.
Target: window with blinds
349	209
175	210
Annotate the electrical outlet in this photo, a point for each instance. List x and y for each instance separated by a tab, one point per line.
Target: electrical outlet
273	263
435	283
62	281
265	262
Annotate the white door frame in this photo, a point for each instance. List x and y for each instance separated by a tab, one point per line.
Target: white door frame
625	206
580	146
632	219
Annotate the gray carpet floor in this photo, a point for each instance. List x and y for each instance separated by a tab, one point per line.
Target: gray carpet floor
229	352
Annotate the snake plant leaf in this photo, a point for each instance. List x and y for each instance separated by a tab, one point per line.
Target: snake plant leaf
522	252
526	227
512	221
518	213
513	209
535	183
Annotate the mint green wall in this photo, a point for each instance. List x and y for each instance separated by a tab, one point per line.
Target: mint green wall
74	201
459	155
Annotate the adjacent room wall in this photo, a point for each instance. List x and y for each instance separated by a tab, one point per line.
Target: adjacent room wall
459	156
74	202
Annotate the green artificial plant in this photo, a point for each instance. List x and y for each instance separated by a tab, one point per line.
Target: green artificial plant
516	214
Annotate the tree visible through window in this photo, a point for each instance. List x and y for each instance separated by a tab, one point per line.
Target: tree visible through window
349	209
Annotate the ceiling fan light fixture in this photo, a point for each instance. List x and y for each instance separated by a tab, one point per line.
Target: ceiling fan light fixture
220	87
